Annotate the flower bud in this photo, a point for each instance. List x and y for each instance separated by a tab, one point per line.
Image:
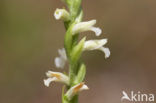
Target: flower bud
61	14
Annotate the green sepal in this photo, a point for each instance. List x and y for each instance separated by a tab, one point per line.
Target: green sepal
77	50
81	74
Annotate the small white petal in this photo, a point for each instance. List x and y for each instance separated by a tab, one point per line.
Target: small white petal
59	62
62	53
97	31
106	51
48	81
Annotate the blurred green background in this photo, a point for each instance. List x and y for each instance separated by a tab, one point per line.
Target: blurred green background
30	37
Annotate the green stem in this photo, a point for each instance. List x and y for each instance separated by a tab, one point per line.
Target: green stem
75	99
71	74
71	41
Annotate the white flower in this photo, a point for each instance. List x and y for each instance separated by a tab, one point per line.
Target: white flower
97	45
57	77
86	26
61	60
75	89
61	14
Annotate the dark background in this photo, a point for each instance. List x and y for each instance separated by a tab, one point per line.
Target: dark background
30	37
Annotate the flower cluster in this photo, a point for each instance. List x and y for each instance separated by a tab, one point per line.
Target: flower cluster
62	78
73	50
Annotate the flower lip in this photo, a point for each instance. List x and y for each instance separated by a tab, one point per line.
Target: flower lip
48	81
106	51
97	31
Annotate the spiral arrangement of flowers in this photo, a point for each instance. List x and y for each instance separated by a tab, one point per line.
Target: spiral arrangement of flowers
73	49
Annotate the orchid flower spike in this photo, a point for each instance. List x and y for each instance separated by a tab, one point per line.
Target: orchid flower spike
97	45
61	14
57	77
61	60
86	26
75	89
